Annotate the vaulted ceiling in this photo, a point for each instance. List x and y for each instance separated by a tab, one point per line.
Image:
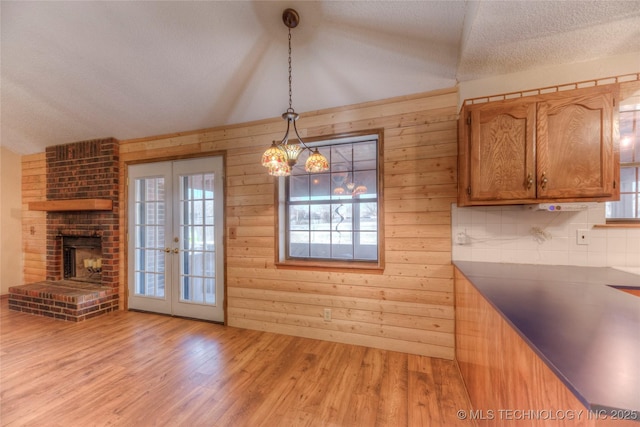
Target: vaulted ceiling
74	71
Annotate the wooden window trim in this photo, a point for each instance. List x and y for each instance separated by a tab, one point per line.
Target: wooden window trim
374	267
624	223
335	266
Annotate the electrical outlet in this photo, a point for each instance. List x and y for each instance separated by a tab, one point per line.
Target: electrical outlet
327	315
582	236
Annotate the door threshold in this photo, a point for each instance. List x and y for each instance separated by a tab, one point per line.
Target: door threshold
215	322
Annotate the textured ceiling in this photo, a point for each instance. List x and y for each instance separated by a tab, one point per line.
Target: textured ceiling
73	71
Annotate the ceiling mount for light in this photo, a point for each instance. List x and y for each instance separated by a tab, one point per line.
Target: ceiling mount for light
290	18
282	156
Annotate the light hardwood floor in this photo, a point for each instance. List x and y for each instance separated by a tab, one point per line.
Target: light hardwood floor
140	369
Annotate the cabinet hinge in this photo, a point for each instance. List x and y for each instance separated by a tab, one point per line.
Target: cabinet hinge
468	120
469	190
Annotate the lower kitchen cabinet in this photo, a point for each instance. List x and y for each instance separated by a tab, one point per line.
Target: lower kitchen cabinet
508	384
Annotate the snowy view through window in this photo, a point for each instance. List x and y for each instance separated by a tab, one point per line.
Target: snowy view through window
334	215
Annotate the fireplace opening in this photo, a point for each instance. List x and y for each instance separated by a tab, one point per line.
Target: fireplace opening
82	258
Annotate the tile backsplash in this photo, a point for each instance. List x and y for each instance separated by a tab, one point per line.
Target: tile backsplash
521	234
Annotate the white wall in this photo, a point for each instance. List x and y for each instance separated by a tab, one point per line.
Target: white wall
520	234
1	205
509	233
11	270
550	76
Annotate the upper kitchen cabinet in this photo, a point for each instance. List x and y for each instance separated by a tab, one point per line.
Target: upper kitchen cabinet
500	145
560	146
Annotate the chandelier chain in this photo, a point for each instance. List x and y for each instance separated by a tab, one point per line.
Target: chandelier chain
290	104
282	156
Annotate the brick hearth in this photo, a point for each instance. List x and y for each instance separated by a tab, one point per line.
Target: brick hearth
64	299
77	171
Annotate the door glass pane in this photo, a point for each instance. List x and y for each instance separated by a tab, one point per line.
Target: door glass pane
210	290
197	233
208	212
149	237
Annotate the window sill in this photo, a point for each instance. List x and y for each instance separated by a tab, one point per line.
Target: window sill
619	224
336	266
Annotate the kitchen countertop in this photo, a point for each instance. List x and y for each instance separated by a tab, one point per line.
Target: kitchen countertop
588	333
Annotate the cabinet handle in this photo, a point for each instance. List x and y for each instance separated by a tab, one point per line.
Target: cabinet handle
543	181
529	181
176	250
167	250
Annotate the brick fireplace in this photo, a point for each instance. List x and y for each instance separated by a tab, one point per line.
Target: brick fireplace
83	170
82	222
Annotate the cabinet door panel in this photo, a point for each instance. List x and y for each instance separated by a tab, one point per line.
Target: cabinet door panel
575	147
501	149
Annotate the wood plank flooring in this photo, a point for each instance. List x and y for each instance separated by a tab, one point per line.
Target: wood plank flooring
139	369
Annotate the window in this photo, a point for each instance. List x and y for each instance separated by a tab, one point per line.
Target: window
628	208
334	216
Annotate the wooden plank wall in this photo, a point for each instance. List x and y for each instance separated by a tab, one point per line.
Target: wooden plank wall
34	223
408	308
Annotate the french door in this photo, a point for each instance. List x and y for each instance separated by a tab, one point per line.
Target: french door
176	259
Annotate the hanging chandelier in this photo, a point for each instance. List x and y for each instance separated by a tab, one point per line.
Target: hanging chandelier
283	155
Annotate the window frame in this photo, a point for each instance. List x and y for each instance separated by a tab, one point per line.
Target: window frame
631	221
282	231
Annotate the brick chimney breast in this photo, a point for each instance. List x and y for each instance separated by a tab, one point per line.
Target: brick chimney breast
84	170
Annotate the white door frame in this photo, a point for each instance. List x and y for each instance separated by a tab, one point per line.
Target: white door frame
173	251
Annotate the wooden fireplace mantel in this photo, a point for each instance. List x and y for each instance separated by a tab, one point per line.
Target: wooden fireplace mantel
72	205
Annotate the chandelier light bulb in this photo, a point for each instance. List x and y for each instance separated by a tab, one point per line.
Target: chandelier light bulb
282	169
273	156
316	163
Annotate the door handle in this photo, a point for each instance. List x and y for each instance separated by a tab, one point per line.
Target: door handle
544	181
529	181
